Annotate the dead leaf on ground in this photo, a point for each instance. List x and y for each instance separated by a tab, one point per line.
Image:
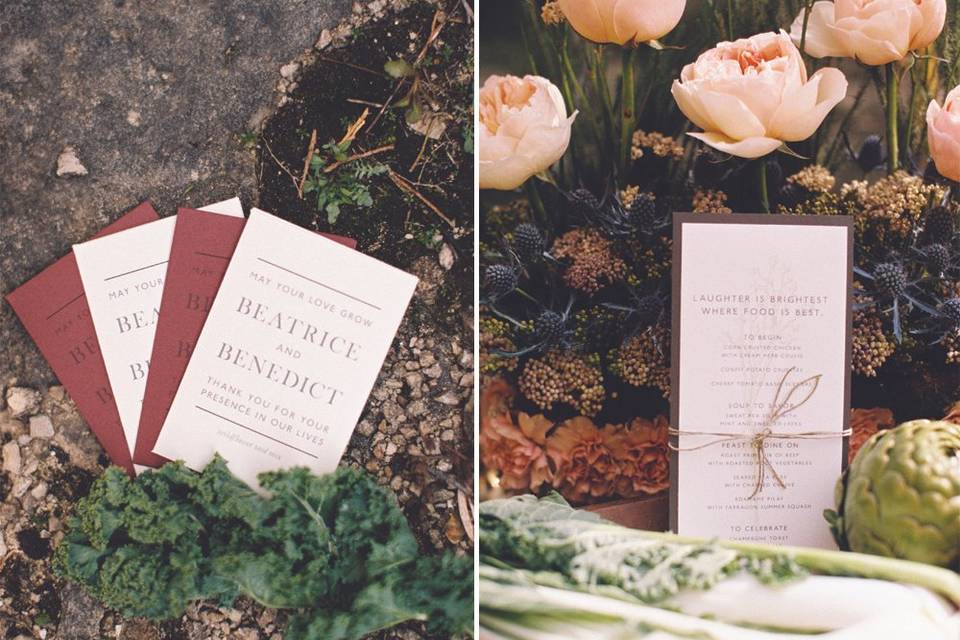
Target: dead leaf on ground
465	507
430	124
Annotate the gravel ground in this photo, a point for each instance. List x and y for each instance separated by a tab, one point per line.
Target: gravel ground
114	82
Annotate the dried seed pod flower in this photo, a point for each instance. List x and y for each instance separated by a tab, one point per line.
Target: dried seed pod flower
660	145
593	264
563	377
814	178
552	14
710	201
871	346
494	338
644	360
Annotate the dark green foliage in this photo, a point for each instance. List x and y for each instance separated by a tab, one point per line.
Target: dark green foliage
336	547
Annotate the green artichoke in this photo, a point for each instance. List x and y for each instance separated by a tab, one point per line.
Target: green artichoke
901	495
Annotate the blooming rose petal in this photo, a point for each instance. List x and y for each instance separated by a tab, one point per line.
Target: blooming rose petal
638	21
943	135
874	32
883	38
690	106
755	147
734	119
823	38
524	130
802	112
622	21
752	94
934	13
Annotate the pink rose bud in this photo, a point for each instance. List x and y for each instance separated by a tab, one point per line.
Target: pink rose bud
752	95
524	129
622	21
872	31
943	135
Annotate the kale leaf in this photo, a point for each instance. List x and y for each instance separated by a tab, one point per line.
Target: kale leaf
335	548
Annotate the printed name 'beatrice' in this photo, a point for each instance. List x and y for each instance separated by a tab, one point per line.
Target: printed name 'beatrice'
299	329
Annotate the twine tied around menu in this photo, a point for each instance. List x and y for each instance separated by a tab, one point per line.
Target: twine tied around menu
758	440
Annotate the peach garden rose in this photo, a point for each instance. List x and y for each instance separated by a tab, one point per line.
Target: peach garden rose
524	129
872	31
943	134
622	21
752	95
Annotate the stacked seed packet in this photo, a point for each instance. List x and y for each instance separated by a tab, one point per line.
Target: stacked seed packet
209	333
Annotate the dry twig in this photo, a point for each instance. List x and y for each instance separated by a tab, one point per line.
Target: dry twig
354	129
405	185
281	164
306	163
352	66
358	156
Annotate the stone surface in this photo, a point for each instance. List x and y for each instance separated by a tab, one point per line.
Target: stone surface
68	164
11	458
22	401
80	614
41	427
153	98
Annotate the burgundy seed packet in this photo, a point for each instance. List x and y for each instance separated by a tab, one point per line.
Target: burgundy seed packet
203	244
53	309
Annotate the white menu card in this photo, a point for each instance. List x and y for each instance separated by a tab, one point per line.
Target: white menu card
761	374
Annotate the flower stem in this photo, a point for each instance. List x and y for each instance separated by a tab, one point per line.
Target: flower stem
764	195
526	295
570	78
807	6
536	203
599	77
628	109
730	20
893	100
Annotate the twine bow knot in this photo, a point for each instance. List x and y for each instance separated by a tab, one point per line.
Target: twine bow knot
758	440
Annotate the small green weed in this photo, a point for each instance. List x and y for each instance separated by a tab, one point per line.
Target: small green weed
335	182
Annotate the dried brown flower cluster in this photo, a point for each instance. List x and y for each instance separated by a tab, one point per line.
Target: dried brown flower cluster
888	212
563	377
581	460
493	339
651	260
871	346
629	194
710	201
593	264
644	360
951	347
660	145
552	14
822	204
814	178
